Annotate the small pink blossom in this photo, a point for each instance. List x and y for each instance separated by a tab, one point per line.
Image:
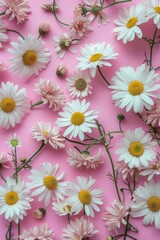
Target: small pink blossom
51	94
61	71
4	161
153	169
39	233
78	10
3	34
44	28
153	116
77	159
45	132
18	9
115	215
80	26
124	170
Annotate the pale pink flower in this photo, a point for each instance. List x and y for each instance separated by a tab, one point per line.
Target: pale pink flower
80	228
153	169
78	10
3	34
153	116
61	71
95	5
4	161
123	169
80	26
2	68
44	28
42	232
115	215
51	94
84	158
64	43
45	132
18	9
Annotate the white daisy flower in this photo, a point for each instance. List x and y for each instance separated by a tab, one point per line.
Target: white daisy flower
48	185
62	208
79	84
81	196
146	203
136	148
135	88
14	200
153	11
13	141
94	55
128	23
29	56
77	119
13	104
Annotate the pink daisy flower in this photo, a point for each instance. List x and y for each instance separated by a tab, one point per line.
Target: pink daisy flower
123	169
39	233
80	228
80	26
115	215
51	94
153	116
84	158
45	132
4	161
18	9
3	34
153	169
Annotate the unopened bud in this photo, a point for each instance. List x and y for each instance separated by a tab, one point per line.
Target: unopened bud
39	213
44	28
61	71
120	117
22	159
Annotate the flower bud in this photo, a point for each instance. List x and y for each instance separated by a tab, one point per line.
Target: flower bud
109	238
61	71
22	159
47	7
44	28
120	117
39	213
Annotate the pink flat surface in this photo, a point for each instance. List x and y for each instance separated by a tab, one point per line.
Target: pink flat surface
131	54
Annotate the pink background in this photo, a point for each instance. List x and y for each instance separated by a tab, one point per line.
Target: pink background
131	54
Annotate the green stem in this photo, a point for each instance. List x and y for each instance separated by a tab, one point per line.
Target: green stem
3	13
54	13
151	49
37	104
99	70
10	30
19	230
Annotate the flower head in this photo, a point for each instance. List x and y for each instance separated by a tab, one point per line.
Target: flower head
79	27
77	119
14	200
48	185
146	203
94	55
153	116
135	88
152	169
76	159
79	84
41	232
115	215
3	34
18	9
13	104
62	208
81	196
80	228
29	56
51	135
128	23
136	148
4	161
51	94
13	141
124	170
152	8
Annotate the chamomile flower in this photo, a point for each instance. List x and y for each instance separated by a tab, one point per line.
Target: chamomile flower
48	185
13	104
29	56
94	55
14	200
152	169
153	11
62	208
135	88
13	141
128	23
136	148
146	203
79	84
77	119
81	196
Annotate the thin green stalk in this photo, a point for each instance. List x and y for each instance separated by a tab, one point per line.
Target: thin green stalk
37	104
10	30
54	13
19	230
2	13
151	49
99	70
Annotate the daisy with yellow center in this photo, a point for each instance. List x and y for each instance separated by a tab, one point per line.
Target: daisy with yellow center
30	58
135	88
136	149
47	185
77	119
128	23
14	200
146	203
81	196
94	55
13	104
153	11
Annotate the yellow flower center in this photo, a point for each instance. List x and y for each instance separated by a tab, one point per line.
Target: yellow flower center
45	133
29	58
7	105
77	118
135	88
96	57
85	197
80	84
50	182
136	149
131	22
154	204
11	198
68	208
157	9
